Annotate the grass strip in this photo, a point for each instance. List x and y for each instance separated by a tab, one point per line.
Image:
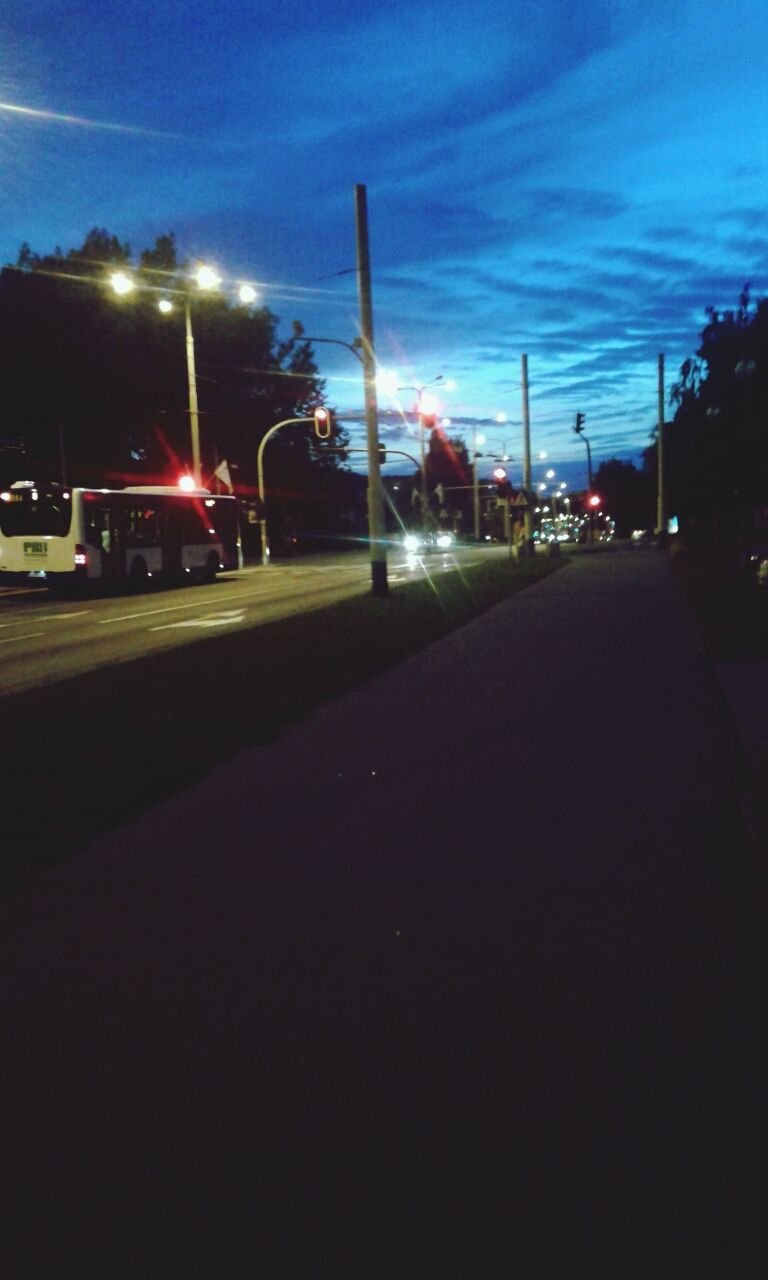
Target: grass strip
89	753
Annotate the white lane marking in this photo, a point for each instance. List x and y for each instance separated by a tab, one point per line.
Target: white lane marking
30	636
45	617
173	608
213	620
51	617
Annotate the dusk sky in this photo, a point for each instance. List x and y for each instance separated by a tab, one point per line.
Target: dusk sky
573	180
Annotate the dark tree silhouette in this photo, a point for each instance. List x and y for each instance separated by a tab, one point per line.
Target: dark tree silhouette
628	494
716	447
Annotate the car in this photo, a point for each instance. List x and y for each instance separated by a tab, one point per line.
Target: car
432	540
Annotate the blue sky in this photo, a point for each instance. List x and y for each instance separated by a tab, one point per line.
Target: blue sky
576	181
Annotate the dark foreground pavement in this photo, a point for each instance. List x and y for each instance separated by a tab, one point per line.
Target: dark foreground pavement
465	975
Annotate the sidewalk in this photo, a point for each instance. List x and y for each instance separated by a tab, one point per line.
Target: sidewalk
470	959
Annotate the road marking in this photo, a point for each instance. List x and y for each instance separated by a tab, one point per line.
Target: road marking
233	595
213	620
45	617
151	613
30	636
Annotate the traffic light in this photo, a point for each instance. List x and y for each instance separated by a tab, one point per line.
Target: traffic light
579	423
323	423
503	487
594	500
382	452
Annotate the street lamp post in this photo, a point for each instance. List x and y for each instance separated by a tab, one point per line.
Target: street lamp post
476	440
194	420
206	278
420	414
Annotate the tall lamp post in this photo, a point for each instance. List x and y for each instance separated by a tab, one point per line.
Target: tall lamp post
476	440
206	279
420	413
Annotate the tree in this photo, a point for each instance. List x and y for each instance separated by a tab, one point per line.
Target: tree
628	494
716	448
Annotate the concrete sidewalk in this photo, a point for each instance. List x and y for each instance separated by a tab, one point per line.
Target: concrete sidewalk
470	960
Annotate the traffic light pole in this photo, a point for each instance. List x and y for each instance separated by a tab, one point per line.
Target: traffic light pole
661	515
376	524
579	429
287	422
527	518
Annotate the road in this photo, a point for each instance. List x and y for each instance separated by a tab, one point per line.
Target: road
43	640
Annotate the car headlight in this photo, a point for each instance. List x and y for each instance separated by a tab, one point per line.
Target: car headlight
411	542
445	540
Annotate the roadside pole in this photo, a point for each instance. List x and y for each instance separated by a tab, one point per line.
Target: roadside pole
376	523
287	422
661	515
194	420
528	515
475	488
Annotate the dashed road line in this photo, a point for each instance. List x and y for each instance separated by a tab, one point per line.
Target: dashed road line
32	635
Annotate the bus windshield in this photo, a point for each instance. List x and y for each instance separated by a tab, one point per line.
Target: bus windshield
40	511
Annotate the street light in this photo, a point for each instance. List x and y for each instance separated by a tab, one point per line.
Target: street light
206	278
476	440
121	283
420	411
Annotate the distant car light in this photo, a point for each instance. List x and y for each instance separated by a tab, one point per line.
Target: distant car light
445	540
411	542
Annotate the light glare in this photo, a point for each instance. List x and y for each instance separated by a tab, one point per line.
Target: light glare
121	283
207	278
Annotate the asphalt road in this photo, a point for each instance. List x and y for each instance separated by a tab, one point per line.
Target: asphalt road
43	639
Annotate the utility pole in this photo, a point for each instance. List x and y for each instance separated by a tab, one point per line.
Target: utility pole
661	515
194	421
528	515
376	523
475	487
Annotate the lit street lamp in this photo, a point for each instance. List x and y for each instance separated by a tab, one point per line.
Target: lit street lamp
420	412
206	278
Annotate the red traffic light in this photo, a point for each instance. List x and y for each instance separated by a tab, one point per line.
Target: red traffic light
322	418
593	500
499	473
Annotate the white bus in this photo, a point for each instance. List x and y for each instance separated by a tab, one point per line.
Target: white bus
74	536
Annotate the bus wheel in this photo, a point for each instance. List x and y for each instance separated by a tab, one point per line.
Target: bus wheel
138	574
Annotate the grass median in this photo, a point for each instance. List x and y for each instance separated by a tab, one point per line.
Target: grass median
87	754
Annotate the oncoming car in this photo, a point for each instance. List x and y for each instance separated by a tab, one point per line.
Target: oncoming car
437	540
